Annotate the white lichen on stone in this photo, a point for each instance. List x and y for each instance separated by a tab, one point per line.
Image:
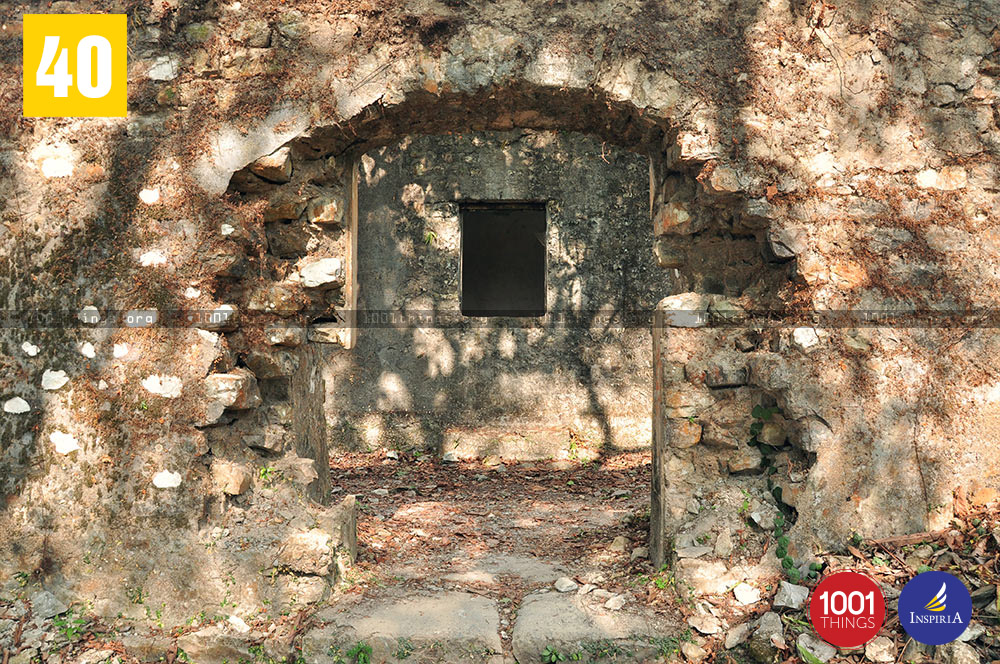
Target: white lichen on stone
227	229
29	349
164	386
53	380
150	196
166	479
64	442
120	350
57	167
163	68
152	257
805	337
192	293
210	337
87	350
16	405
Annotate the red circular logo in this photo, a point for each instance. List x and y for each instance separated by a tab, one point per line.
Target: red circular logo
847	609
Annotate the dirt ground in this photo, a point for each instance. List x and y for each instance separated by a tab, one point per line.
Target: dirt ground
500	529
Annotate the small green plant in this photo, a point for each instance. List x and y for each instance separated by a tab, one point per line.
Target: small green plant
605	649
745	506
157	615
807	656
361	652
404	648
22	578
429	237
268	474
136	595
781	551
69	626
550	654
196	620
671	645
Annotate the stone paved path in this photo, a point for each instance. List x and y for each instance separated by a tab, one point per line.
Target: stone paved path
460	562
454	626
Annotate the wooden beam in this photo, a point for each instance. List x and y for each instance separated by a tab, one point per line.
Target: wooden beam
351	289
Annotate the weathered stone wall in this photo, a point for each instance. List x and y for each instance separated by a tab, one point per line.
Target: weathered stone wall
802	155
518	388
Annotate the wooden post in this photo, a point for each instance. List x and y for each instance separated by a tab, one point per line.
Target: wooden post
658	486
351	288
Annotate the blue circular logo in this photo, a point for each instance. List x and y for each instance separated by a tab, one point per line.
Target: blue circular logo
935	608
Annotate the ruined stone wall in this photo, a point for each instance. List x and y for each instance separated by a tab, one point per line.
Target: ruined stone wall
518	388
803	155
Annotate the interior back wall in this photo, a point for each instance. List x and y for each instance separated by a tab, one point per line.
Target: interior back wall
515	387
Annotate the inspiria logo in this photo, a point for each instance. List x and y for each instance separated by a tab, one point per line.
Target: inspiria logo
935	608
938	602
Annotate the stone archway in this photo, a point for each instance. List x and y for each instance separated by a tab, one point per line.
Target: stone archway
705	231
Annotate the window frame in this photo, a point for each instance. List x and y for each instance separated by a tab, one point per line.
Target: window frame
480	205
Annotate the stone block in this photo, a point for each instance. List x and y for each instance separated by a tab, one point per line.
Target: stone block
678	218
774	432
296	592
285	204
275	439
272	363
236	390
322	273
811	434
724	181
728	423
683	433
285	335
326	210
214	645
278	298
685	400
704	577
230	478
744	459
328	333
275	167
307	552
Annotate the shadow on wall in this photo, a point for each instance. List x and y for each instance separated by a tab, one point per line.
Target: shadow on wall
518	387
722	58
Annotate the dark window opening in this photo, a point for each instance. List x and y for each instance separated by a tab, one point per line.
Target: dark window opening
503	259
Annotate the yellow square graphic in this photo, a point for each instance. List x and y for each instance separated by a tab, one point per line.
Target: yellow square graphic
75	65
